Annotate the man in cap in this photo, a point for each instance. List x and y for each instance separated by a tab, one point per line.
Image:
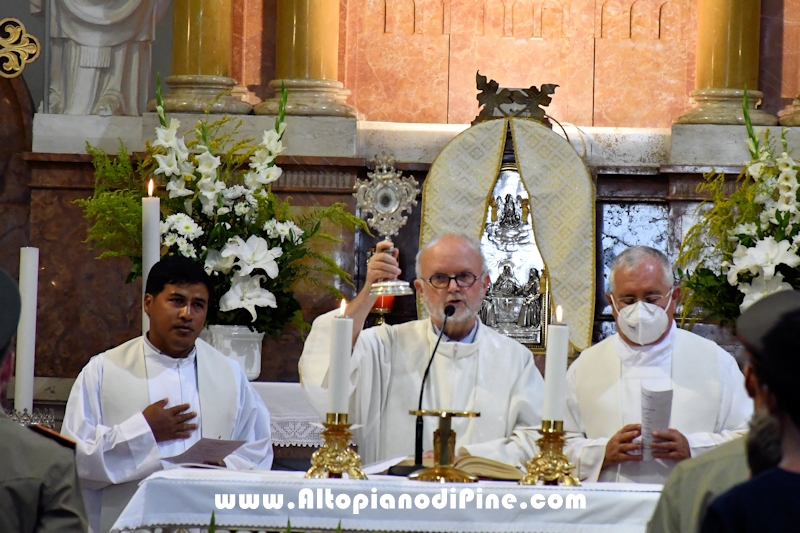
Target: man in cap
39	489
694	484
768	502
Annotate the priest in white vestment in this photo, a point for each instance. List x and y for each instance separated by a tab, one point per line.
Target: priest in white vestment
155	396
475	368
604	385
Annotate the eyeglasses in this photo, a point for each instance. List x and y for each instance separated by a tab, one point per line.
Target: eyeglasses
464	280
653	299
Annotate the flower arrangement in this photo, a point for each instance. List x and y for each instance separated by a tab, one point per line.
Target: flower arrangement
745	245
221	212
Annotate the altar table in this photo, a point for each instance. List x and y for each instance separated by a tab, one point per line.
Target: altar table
266	500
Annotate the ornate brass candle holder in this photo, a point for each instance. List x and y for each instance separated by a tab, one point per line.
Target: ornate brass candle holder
444	445
550	464
336	457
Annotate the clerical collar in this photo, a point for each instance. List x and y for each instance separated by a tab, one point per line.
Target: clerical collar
165	359
469	339
648	355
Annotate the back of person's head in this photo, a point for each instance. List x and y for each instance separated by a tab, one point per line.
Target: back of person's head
778	364
176	270
10	305
763	444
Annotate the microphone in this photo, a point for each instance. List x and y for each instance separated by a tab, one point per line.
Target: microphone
449	310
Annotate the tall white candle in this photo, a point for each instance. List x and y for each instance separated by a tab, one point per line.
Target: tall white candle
26	331
339	372
151	240
555	369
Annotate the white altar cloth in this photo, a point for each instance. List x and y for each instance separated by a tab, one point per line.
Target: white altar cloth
187	497
292	417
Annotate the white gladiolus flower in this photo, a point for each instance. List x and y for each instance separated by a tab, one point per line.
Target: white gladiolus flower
272	174
271	141
252	254
215	262
181	152
246	293
167	164
167	137
209	189
761	287
261	160
177	188
207	164
160	111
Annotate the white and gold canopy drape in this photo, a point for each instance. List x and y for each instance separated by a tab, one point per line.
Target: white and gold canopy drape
457	190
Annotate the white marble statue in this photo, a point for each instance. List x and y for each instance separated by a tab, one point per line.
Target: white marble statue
101	54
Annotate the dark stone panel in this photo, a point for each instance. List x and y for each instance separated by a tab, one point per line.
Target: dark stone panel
84	305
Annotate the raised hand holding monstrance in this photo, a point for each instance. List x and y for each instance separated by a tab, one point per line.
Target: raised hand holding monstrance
383	198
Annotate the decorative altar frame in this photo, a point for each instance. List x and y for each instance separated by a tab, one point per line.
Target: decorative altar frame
455	199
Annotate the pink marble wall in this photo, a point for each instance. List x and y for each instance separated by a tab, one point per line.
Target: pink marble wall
618	63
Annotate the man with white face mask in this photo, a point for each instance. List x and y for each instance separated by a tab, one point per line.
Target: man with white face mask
475	368
709	405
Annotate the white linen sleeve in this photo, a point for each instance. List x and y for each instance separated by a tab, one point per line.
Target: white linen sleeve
586	454
106	455
252	425
525	419
735	408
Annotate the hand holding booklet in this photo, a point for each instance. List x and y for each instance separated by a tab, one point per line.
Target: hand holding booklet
207	451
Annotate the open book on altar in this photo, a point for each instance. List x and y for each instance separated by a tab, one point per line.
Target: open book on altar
478	466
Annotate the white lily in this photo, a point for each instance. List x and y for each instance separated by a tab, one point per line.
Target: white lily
252	254
246	293
215	262
768	253
742	261
761	287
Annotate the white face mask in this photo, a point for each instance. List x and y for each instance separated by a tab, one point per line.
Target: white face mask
641	322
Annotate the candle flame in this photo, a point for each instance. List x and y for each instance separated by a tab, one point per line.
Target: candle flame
150	187
342	307
559	314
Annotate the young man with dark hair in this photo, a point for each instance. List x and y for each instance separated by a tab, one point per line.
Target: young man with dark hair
768	502
153	397
39	489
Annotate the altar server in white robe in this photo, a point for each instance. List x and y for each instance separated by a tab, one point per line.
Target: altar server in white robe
153	397
475	368
603	420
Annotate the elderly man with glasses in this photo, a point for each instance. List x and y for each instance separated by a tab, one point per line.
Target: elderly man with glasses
475	368
648	352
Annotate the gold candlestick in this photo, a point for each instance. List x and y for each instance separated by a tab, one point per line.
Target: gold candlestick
444	444
550	464
336	457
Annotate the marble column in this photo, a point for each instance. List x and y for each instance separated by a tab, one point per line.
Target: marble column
307	61
727	62
202	41
791	115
